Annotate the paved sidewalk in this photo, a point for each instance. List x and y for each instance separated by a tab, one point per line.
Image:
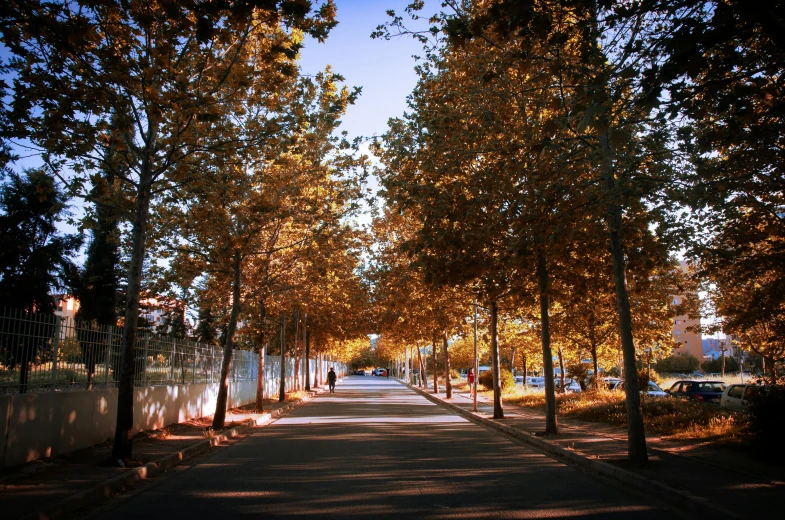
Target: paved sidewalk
52	488
697	475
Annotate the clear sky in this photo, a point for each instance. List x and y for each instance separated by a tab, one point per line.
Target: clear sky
384	69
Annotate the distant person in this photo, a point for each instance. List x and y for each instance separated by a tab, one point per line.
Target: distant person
387	373
470	379
331	380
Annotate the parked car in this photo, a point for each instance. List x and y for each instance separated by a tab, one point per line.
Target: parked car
535	382
736	397
610	383
698	390
571	386
360	372
382	372
653	390
518	380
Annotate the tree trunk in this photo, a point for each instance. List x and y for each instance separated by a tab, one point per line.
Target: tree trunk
498	409
318	377
423	381
282	382
525	371
122	447
551	422
561	368
513	351
595	364
636	435
226	364
296	351
262	347
260	380
435	368
307	342
447	382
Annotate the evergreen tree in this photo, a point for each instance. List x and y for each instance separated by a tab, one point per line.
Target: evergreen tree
35	257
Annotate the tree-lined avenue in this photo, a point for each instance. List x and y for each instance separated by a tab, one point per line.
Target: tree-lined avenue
377	449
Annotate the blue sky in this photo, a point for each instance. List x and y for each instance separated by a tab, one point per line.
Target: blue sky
384	69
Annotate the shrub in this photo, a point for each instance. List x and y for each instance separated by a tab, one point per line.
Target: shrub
644	376
678	364
579	372
507	379
715	365
766	418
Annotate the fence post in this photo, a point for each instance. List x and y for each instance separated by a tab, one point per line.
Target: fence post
196	352
55	350
108	359
144	361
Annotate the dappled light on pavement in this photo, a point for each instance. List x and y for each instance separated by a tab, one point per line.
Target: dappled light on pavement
377	449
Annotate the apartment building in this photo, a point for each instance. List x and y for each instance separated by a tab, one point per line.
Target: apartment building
689	341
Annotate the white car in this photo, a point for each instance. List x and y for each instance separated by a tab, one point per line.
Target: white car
535	382
654	389
736	397
571	386
610	383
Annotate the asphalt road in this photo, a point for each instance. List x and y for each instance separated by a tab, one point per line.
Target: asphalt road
375	449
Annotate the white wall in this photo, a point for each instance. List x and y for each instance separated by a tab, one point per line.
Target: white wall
47	424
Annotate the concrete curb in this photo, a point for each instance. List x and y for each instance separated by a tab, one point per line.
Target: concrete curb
151	469
662	491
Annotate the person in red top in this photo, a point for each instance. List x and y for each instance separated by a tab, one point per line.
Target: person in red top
470	379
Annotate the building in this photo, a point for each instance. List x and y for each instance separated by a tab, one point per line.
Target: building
686	330
66	306
714	348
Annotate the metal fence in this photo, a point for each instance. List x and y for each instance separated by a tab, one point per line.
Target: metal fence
45	353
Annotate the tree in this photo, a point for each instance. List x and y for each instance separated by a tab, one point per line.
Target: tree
594	124
158	72
35	258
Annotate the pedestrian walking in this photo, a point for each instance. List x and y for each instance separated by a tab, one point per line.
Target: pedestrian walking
387	373
470	379
331	380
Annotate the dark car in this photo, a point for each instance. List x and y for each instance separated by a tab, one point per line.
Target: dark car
700	390
360	372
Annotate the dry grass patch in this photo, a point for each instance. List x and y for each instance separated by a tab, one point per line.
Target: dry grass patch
675	418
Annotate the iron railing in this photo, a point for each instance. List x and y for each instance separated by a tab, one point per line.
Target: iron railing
40	353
